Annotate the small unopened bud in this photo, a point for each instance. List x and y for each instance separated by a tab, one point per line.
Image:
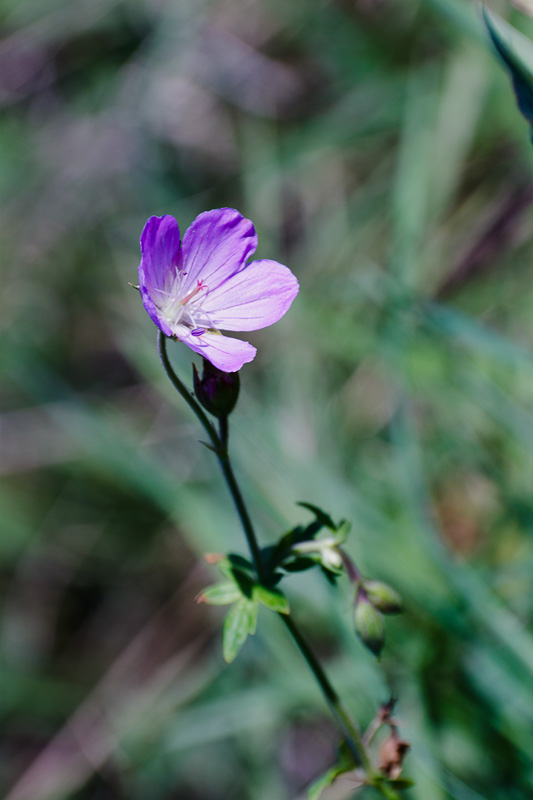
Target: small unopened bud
383	597
331	559
326	551
217	391
370	626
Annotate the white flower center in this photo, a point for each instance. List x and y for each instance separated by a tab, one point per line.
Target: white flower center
183	309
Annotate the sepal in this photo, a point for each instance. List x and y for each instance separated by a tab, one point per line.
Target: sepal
383	597
369	626
216	391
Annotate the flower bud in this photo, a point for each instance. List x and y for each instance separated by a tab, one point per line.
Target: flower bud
370	626
216	391
331	559
325	550
383	597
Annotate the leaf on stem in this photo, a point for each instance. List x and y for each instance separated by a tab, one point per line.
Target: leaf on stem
240	571
343	531
272	599
240	562
344	765
220	594
281	555
301	538
240	622
316	789
299	564
323	782
516	52
401	783
321	516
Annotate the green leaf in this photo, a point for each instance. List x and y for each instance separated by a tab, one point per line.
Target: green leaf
275	556
320	515
301	564
253	607
316	789
296	535
244	582
272	599
239	623
343	531
241	563
516	52
281	554
226	569
221	594
240	571
401	783
345	764
345	754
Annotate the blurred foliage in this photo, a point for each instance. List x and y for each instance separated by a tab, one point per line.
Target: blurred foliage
378	149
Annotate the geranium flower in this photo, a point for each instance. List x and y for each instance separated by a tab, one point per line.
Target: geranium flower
194	289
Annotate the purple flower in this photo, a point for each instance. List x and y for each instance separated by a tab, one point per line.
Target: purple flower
193	290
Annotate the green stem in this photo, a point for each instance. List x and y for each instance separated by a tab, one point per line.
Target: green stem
242	511
223	428
334	701
184	392
220	447
388	792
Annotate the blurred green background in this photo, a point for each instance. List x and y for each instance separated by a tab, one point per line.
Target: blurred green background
377	147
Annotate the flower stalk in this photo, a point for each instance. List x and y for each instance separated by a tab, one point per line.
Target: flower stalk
219	445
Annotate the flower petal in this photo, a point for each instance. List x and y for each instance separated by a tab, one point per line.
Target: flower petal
215	246
160	244
224	352
153	311
257	296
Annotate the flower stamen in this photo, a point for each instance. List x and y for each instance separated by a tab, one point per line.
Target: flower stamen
200	285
